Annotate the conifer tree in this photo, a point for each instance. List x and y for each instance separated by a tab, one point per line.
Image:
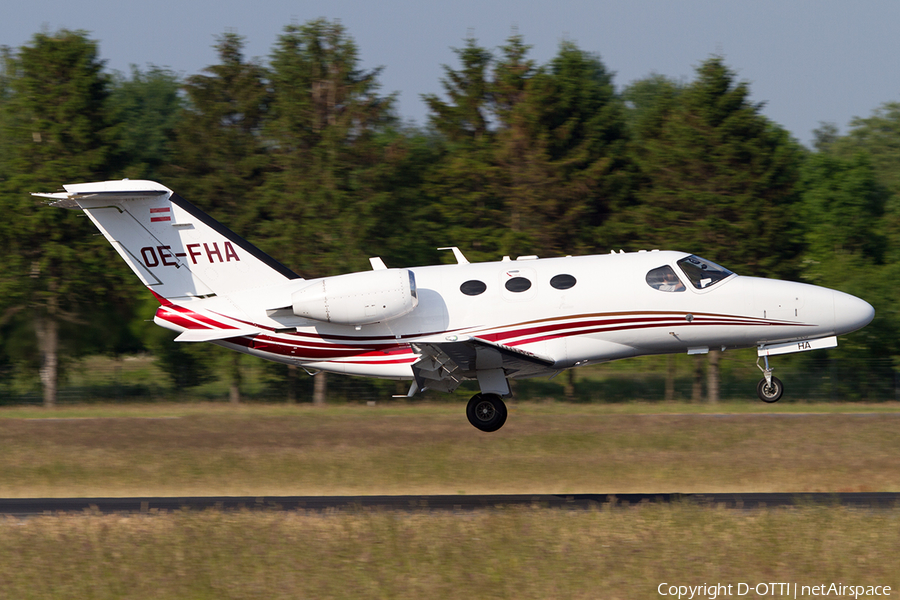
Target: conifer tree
720	180
146	109
323	132
560	148
55	130
219	163
219	156
463	181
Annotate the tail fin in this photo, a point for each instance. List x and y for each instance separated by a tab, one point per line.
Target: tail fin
176	249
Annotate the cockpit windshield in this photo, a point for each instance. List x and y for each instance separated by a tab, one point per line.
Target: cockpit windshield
703	273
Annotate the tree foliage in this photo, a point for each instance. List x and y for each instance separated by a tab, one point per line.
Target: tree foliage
146	110
220	159
718	178
535	155
323	135
304	155
55	129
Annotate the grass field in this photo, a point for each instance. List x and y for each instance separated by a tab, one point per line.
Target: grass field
199	449
215	449
501	553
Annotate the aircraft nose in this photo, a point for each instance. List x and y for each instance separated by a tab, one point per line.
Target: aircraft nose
851	313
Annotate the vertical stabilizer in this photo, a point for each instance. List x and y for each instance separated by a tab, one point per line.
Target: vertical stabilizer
176	249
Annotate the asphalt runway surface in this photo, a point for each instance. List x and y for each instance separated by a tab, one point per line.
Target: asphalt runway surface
22	507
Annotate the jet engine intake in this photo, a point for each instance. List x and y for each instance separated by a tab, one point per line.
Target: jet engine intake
358	298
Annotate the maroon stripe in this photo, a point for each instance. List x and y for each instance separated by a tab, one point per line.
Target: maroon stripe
670	320
621	328
322	344
496	337
319	354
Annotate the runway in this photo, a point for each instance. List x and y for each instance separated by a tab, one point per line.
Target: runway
23	507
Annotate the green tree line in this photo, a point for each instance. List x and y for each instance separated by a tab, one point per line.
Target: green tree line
306	156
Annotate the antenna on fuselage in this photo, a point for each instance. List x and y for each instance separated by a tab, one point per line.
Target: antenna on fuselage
460	259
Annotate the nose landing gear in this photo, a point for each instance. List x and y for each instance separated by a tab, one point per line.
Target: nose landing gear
486	412
769	388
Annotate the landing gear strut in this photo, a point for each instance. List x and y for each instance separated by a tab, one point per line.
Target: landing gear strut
769	388
486	412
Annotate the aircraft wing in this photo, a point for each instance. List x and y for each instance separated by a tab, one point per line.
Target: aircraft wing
444	364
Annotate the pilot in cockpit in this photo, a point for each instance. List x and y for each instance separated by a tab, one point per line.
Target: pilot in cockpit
670	283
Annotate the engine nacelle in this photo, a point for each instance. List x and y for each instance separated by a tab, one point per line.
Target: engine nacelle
358	298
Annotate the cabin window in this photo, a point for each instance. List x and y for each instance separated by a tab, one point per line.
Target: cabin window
562	282
518	284
473	287
703	273
664	279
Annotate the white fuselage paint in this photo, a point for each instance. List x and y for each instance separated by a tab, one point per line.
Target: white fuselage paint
610	313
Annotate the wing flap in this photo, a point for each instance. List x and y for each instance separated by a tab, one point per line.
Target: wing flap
444	364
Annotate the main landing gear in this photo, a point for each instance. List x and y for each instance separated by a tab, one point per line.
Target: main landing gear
769	388
486	412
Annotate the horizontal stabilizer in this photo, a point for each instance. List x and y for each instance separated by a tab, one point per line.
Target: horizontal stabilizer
210	335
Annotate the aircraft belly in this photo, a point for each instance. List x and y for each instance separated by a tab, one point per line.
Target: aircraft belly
595	347
379	371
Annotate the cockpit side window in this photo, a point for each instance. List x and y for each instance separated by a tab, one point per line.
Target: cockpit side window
703	273
664	279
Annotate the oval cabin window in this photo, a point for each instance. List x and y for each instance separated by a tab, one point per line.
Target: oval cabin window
518	284
563	282
473	287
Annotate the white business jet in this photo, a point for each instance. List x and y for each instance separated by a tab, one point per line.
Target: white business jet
438	326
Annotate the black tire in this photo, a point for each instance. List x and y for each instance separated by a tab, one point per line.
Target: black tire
486	412
769	393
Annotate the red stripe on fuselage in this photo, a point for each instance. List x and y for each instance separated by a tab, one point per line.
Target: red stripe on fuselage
612	324
542	338
319	355
179	320
304	346
201	317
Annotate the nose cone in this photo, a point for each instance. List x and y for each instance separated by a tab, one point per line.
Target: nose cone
851	313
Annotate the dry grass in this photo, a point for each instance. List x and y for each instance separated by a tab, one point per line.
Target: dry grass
213	449
516	553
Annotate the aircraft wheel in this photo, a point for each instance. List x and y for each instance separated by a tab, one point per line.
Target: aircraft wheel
486	412
769	393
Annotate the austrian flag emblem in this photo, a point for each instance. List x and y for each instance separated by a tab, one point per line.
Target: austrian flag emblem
160	214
